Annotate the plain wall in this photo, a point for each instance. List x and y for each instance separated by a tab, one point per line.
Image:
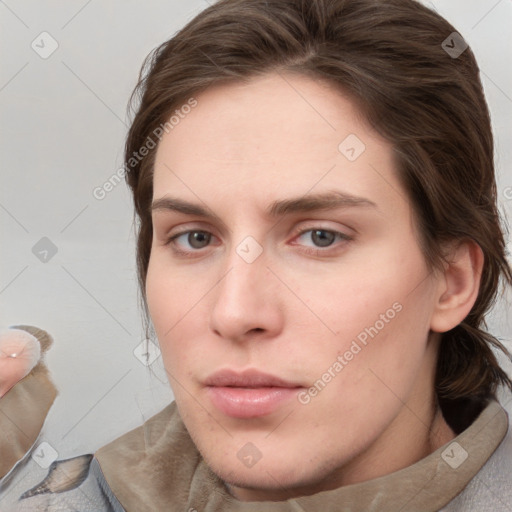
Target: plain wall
62	134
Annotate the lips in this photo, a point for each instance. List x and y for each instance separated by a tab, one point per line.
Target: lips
247	379
249	394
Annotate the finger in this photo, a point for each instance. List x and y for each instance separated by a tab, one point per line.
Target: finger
19	353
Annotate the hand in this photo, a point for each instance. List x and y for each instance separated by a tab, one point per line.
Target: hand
19	353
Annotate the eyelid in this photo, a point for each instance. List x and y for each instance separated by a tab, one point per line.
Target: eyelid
186	227
316	225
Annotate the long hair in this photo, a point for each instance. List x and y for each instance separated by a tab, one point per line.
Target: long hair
393	59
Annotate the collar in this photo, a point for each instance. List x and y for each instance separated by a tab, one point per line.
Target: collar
157	467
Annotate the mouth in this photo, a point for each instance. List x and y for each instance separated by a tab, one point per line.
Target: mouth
249	394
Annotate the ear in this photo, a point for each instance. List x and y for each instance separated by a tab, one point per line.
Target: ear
458	286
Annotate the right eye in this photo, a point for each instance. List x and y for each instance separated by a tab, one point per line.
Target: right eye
196	240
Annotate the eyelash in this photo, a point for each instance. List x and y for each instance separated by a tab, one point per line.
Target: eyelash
308	250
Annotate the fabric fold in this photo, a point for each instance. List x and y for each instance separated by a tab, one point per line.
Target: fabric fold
157	467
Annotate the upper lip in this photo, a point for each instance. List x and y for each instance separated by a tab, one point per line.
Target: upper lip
247	379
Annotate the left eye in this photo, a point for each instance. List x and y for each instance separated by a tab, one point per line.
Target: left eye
322	237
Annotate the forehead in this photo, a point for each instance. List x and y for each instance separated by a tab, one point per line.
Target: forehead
278	133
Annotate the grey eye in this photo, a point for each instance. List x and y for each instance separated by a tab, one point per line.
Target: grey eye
322	237
198	239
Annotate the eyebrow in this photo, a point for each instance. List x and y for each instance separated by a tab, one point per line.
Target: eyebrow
312	202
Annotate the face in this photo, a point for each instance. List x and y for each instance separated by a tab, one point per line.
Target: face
288	291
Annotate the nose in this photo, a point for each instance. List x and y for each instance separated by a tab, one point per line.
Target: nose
247	302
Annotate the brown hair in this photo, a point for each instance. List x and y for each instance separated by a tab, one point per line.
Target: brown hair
387	55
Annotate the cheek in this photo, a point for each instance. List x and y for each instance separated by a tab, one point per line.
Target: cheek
166	295
380	347
351	299
171	303
377	314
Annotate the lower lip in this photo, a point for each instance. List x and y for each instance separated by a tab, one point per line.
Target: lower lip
250	402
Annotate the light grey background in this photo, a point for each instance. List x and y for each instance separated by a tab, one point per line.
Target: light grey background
62	134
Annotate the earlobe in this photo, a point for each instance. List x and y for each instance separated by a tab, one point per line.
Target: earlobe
459	285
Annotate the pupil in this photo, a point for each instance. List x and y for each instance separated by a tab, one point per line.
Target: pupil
198	239
322	238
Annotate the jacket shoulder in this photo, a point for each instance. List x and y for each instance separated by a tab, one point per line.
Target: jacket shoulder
152	466
490	490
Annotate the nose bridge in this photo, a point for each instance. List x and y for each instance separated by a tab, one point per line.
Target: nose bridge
245	298
246	273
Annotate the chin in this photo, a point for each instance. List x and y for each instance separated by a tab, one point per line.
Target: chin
279	478
271	483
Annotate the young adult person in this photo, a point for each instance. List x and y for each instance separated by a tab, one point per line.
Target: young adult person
318	245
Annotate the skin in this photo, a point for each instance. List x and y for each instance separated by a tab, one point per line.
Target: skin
299	305
19	353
